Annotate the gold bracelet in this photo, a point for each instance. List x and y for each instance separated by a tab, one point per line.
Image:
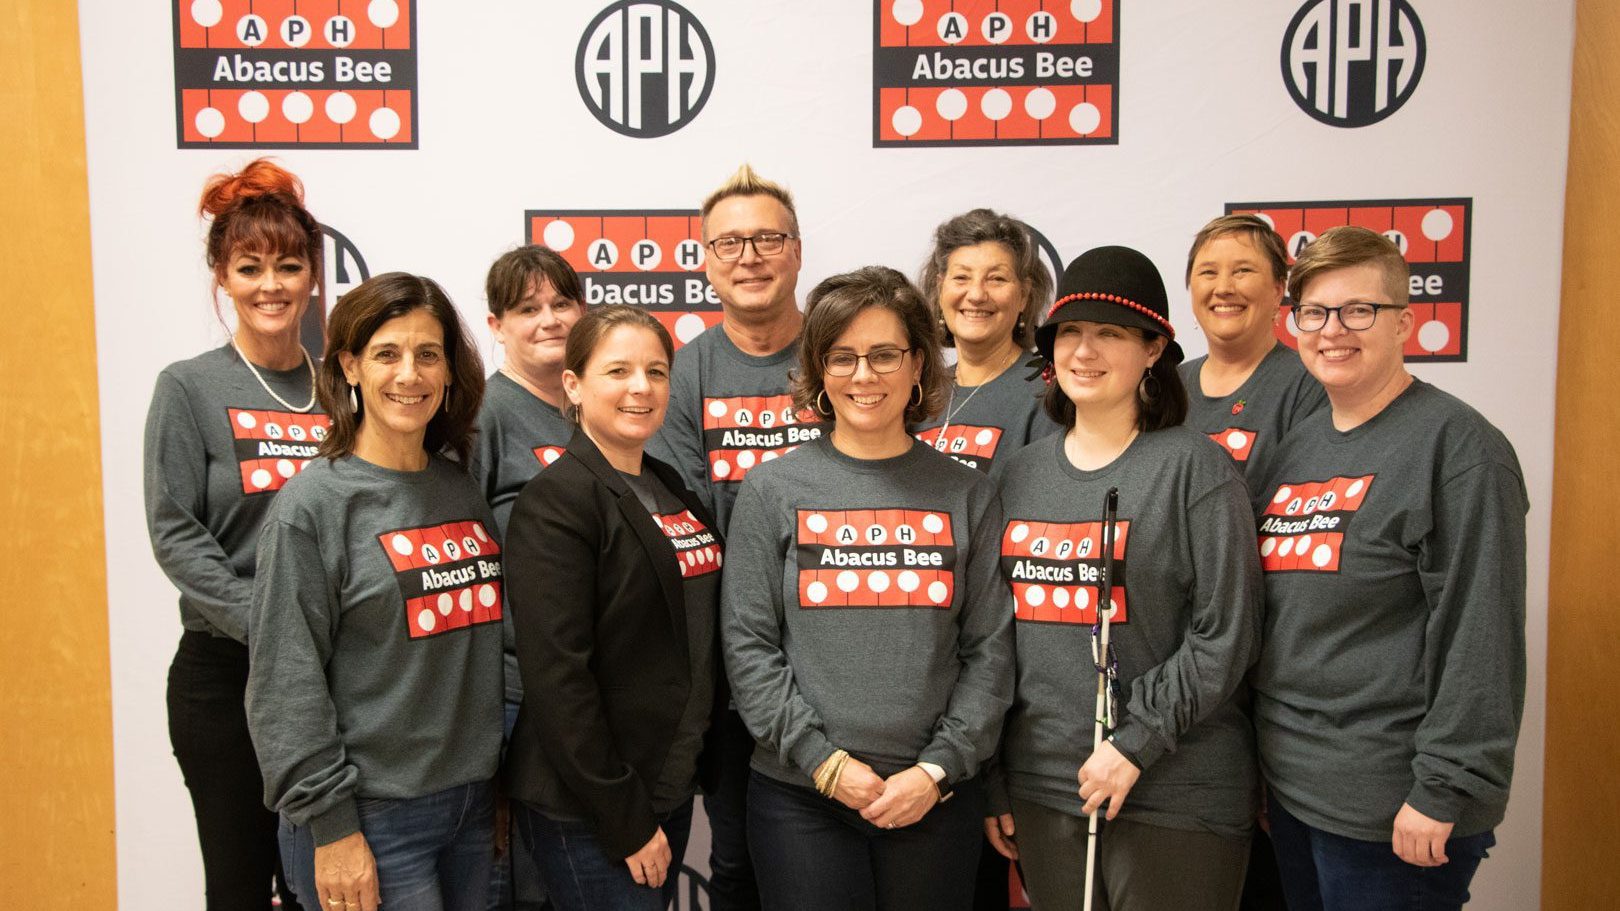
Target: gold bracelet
828	776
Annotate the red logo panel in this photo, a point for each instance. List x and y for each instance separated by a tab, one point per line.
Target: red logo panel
969	444
272	446
1236	441
548	454
1302	527
1054	570
449	575
697	550
743	431
879	558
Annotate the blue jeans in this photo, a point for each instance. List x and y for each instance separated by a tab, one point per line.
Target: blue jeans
1326	872
811	853
433	853
581	875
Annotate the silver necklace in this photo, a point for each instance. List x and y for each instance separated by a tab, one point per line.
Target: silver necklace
308	362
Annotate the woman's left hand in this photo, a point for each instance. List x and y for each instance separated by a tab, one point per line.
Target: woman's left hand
1106	776
907	797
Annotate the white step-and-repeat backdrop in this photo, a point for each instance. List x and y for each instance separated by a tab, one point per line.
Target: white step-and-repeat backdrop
432	136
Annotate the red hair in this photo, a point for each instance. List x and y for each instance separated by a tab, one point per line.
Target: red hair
259	209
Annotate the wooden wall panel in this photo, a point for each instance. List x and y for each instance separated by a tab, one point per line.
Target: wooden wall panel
56	773
1581	821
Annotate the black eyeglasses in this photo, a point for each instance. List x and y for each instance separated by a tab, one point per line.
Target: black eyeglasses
881	360
766	243
1356	317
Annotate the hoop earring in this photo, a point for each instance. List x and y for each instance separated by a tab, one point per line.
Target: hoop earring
354	400
827	411
1148	388
917	394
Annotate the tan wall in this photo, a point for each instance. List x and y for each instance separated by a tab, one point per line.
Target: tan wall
56	775
1581	821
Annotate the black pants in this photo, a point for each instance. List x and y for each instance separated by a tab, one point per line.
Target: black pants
208	729
731	869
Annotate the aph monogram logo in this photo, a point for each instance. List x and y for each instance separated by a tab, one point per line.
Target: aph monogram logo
645	67
1352	63
344	268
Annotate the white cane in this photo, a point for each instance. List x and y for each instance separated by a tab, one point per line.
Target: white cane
1099	645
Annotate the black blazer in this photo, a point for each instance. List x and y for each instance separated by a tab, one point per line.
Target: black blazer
600	616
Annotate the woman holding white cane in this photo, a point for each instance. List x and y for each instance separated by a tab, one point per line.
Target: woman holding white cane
1176	777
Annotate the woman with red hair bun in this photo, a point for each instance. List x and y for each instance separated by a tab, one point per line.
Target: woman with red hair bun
225	431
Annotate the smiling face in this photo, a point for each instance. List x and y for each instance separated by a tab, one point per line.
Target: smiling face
752	284
270	291
1098	365
981	296
1234	295
534	331
867	403
1354	366
624	389
403	374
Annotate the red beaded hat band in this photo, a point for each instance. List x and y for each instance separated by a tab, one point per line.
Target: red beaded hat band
1169	330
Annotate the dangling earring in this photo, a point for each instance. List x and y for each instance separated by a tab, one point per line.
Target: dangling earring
917	395
354	400
1148	389
444	403
824	411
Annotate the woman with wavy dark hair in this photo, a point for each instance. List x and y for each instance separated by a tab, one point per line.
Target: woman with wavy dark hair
374	691
868	649
226	429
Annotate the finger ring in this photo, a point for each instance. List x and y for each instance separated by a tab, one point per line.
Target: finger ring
891	825
334	902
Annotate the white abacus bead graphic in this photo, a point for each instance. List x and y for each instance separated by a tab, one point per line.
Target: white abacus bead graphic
558	234
848	581
1040	27
1040	103
286	468
816	592
688	326
746	459
340	107
253	107
1397	238
402	545
1267	546
465	599
951	104
722	468
907	12
383	13
1322	556
1300	241
338	31
1084	118
1303	544
1438	224
602	254
1265	218
1355	488
817	523
1085	10
689	253
207	13
1035	595
260	478
1019	533
909	581
996	104
251	30
907	120
1286	548
549	456
1434	335
426	620
952	28
296	31
983	437
478	529
297	107
878	581
996	27
384	123
210	122
1082	598
646	254
1236	440
1282	494
933	524
938	592
446	604
1060	598
247	420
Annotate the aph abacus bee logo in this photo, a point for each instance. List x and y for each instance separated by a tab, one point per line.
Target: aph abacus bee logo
651	259
344	268
876	558
1352	63
448	574
697	550
1434	236
272	446
949	73
1055	570
741	432
645	67
306	75
1303	525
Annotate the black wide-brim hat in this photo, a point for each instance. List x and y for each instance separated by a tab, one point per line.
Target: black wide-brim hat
1115	285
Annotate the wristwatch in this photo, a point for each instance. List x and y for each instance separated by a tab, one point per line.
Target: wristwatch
946	792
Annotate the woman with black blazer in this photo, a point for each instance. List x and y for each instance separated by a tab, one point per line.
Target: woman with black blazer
613	582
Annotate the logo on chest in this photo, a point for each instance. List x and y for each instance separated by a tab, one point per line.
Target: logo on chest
548	454
1303	525
743	431
272	446
449	576
697	550
876	558
1055	570
1237	442
971	445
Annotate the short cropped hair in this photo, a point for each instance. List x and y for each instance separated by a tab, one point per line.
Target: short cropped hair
1341	248
1260	235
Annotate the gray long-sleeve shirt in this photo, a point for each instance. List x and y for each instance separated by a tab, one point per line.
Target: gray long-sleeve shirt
1251	421
218	447
375	648
1394	661
992	420
861	610
1187	586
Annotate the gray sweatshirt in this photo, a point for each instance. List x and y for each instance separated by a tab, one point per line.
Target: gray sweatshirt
218	447
518	434
861	610
1251	421
994	419
1394	665
375	667
1187	589
729	412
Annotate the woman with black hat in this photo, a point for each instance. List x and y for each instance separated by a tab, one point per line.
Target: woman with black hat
1177	776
